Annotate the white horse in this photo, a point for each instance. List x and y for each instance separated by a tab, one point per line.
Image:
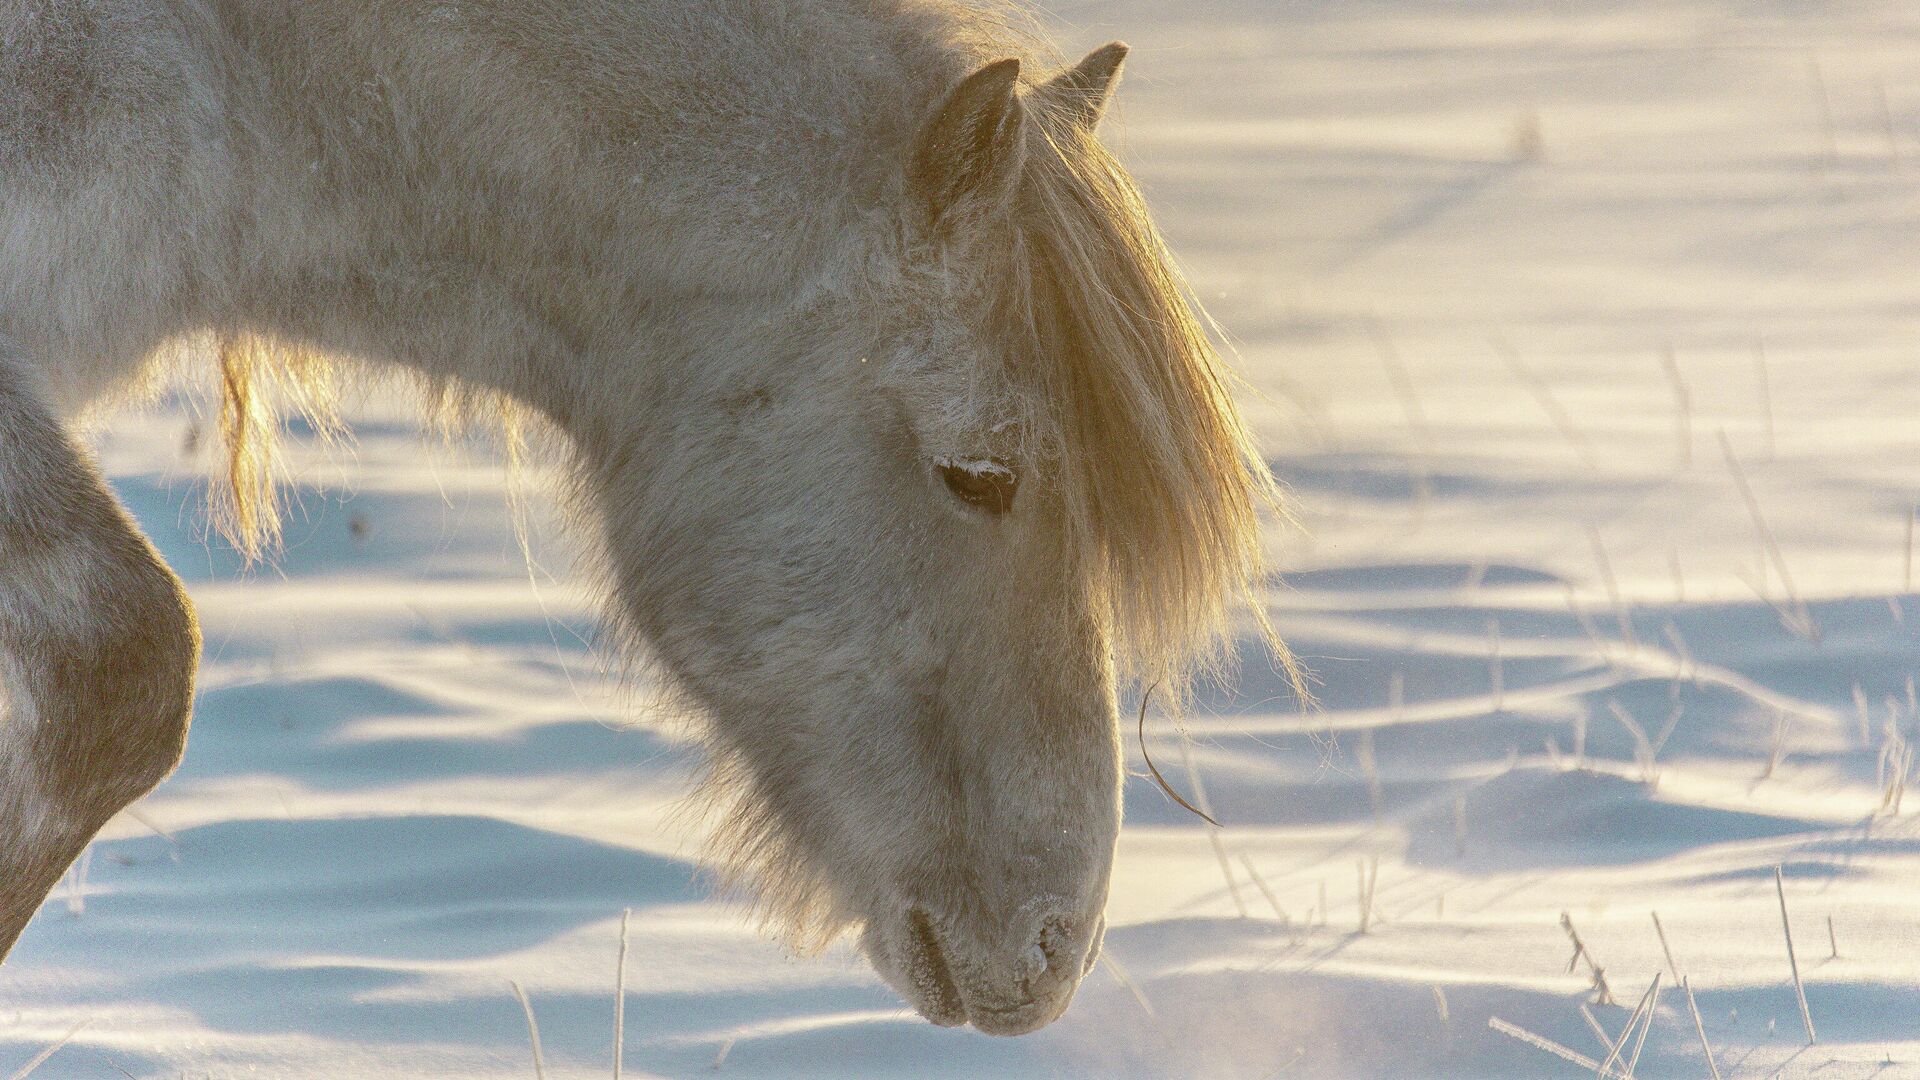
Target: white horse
892	425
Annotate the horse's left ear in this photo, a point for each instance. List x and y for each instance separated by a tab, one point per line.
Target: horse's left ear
1084	89
969	157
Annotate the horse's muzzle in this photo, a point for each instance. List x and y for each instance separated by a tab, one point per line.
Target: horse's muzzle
1009	983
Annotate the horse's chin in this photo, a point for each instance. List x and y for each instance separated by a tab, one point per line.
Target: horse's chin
998	995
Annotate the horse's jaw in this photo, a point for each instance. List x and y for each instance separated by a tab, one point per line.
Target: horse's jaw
1007	983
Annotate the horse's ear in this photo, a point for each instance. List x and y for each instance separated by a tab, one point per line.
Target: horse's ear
969	156
1084	89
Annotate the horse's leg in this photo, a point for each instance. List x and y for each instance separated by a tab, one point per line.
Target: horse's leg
97	653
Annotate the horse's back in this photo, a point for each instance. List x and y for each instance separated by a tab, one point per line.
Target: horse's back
657	119
168	166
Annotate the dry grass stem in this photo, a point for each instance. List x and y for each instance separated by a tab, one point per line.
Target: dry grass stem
1541	1042
1686	668
1644	750
1543	394
41	1058
1614	1046
1642	1009
1496	675
1226	871
1402	382
620	997
1261	884
1527	143
1884	112
1612	586
1600	644
1593	1023
1120	975
1779	749
1403	389
1603	994
1766	396
1363	891
1823	109
1213	826
1360	894
1639	1042
173	842
76	879
1790	619
1805	624
1298	1053
1700	1028
1476	577
1672	967
533	1031
1895	762
1369	769
1786	928
1667	729
1682	406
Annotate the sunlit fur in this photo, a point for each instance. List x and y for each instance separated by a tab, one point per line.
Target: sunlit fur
1164	486
680	241
1120	391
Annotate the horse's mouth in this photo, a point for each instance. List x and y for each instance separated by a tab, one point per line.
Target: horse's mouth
937	998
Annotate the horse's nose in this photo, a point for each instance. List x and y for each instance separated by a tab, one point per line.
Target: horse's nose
1039	980
1016	979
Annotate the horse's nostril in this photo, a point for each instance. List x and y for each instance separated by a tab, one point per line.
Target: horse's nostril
927	967
1032	964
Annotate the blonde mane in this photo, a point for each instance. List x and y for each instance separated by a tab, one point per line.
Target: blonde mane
263	385
1165	486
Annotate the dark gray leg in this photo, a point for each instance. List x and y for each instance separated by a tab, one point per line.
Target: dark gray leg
97	653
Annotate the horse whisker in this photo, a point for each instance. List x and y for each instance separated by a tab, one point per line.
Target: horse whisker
1155	769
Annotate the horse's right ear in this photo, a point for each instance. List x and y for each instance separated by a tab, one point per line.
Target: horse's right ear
1085	88
969	155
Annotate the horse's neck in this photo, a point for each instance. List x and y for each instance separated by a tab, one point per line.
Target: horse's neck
428	179
717	137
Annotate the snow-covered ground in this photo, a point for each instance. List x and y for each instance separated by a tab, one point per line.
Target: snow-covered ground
1584	336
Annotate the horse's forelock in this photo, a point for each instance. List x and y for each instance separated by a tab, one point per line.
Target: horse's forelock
1162	485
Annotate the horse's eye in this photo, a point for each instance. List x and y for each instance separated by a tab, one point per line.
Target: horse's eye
987	483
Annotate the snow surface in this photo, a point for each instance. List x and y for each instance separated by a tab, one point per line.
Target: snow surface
1500	273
